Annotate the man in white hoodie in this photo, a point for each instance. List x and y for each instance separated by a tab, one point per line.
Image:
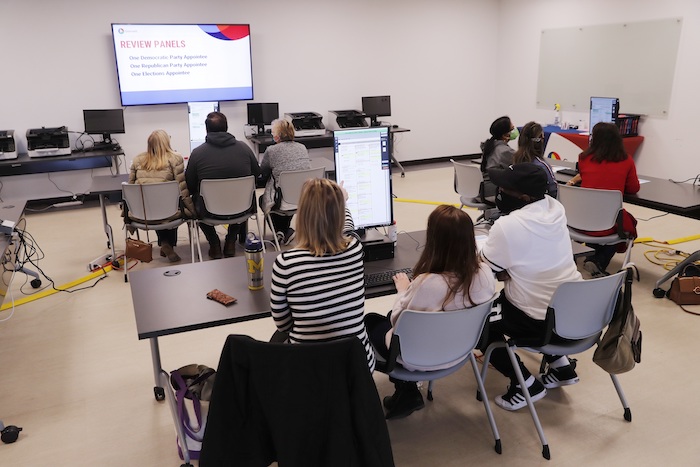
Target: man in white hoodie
530	251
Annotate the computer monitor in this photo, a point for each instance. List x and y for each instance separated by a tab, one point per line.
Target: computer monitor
363	164
604	109
376	106
262	113
104	122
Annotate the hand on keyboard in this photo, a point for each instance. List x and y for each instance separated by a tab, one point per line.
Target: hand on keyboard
376	279
401	281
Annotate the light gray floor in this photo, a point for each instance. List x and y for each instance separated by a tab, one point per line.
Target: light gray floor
74	375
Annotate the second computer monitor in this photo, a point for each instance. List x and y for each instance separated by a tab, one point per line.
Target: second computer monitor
376	106
363	164
104	122
262	113
604	109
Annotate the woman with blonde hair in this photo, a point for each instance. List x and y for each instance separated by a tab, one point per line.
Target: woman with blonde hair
160	163
318	292
284	155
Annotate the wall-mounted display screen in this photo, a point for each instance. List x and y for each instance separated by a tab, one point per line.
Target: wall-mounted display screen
174	63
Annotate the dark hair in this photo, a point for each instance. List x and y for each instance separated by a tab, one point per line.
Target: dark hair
606	144
216	122
498	129
450	248
530	143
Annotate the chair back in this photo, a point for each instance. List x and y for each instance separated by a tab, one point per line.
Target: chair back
584	308
589	208
290	182
468	179
433	339
227	196
161	200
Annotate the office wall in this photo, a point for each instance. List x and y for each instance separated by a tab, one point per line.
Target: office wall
308	55
670	148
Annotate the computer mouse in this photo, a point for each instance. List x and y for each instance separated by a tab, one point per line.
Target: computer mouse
394	126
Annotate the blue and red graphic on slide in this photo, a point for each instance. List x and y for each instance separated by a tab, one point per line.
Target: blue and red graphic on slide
229	32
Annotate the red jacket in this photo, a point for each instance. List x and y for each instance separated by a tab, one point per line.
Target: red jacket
605	175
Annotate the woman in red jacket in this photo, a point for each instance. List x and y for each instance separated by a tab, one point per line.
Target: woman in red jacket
605	165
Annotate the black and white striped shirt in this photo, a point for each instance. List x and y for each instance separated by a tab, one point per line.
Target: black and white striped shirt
321	298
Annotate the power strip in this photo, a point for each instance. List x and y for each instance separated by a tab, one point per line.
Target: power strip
98	262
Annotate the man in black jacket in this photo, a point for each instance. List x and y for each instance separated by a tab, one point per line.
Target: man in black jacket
221	156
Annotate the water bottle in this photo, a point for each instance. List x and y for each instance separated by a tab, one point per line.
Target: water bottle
254	261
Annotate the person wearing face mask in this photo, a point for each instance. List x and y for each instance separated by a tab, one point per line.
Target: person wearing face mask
496	153
283	156
529	249
531	149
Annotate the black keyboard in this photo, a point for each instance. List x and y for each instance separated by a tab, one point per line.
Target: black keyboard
571	172
376	279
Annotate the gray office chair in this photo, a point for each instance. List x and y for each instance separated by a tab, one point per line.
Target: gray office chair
579	312
450	342
594	210
290	182
467	181
163	210
228	201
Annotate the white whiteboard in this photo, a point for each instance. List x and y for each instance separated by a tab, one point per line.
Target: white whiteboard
633	61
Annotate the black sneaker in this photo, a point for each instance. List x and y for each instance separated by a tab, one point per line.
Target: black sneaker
289	236
557	377
407	400
514	398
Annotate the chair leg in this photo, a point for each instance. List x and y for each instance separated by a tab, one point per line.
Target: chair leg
430	390
197	240
487	405
530	405
268	218
621	395
192	233
262	238
126	259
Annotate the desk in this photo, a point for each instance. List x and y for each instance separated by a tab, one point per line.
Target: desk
104	185
10	210
75	161
682	199
631	143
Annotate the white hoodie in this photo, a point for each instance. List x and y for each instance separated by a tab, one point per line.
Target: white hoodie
532	243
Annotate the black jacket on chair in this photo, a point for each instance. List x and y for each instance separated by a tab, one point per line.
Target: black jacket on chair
297	404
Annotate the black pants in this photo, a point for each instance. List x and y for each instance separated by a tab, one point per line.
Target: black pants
280	223
603	255
168	236
213	238
516	324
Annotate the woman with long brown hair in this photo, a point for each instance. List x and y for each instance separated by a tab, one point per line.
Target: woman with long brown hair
448	276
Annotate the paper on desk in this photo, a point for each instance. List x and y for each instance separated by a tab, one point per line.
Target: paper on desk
557	168
642	181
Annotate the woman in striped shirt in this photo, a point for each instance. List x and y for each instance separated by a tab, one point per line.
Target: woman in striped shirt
318	292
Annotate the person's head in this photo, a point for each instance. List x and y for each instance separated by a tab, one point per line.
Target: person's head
450	247
606	143
216	122
530	143
502	129
518	185
282	130
321	217
158	146
159	143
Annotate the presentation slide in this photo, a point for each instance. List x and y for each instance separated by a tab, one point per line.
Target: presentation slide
171	63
